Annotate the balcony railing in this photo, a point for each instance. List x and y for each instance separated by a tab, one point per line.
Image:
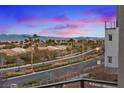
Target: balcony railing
82	81
110	25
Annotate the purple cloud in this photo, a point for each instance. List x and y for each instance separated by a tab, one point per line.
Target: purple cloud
59	27
4	29
56	19
103	14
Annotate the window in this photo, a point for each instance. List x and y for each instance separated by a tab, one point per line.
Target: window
110	37
109	59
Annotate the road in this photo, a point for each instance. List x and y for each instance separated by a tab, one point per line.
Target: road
47	62
54	72
68	55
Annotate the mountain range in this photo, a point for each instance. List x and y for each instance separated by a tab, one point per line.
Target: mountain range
15	37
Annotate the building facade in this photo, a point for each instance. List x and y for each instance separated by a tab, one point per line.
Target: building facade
111	45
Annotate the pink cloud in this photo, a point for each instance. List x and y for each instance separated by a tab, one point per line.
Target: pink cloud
75	32
65	20
96	21
66	32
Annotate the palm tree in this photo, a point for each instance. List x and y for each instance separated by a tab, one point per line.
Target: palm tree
58	42
26	40
81	43
71	41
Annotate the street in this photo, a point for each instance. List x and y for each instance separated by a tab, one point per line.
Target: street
55	72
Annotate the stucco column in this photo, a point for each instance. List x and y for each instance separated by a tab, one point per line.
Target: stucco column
120	18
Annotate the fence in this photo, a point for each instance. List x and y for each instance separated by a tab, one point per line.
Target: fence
82	81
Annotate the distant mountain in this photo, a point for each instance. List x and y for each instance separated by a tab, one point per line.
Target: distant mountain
90	38
15	37
4	37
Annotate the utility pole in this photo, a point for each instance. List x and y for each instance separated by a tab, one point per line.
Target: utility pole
71	48
82	43
82	46
32	49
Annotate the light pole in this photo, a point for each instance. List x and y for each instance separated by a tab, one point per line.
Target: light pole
32	49
82	43
32	40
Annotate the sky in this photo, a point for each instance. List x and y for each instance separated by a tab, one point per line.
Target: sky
56	20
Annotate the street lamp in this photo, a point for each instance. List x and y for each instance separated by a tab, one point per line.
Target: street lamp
32	49
82	46
97	48
82	43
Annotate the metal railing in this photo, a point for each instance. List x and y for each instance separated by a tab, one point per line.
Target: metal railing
99	83
49	62
110	25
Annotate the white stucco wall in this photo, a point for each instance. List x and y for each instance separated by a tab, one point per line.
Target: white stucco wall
111	47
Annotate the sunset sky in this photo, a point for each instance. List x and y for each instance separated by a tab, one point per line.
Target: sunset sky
56	21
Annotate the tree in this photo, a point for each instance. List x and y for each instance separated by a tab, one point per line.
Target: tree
71	42
50	42
26	40
58	42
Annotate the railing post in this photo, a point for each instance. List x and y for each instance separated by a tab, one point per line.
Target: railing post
60	86
82	84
